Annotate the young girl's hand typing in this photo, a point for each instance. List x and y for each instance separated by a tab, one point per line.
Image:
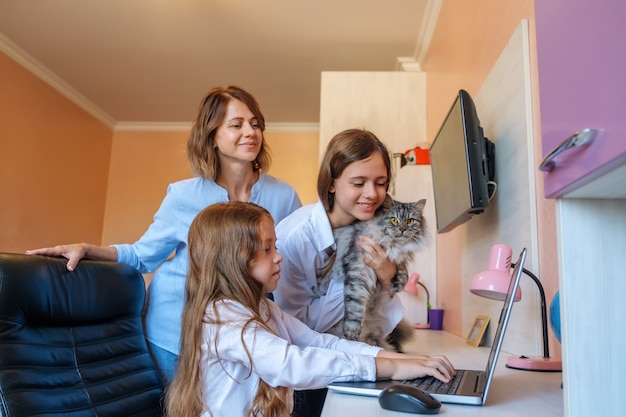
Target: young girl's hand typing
405	366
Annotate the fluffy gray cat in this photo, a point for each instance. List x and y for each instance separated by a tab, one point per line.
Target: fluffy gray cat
400	229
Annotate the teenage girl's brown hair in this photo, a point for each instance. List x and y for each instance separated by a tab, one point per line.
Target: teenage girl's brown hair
344	148
223	242
201	148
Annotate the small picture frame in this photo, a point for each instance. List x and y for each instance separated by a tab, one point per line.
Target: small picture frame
477	332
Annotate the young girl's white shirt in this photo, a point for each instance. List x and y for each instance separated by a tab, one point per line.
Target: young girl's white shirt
293	356
305	240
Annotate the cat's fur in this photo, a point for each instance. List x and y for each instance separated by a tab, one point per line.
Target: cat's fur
400	229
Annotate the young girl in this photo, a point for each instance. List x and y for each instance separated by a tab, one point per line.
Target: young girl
240	354
228	156
352	185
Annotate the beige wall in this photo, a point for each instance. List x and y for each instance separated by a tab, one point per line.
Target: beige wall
54	163
295	160
144	163
65	177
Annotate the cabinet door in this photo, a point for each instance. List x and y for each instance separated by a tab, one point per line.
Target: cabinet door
581	54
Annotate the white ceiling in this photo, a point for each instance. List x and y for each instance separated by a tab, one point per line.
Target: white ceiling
152	61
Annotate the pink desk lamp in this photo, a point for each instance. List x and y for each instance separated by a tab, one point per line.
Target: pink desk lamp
411	287
494	284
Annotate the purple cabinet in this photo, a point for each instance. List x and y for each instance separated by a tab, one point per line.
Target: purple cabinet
581	54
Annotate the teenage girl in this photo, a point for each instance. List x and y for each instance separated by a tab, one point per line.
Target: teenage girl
352	185
241	355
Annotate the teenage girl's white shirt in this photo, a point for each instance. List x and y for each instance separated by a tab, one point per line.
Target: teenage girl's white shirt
305	240
291	355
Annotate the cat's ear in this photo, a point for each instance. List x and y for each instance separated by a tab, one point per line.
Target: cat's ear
420	204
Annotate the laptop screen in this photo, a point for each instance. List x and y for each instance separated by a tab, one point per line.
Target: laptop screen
505	314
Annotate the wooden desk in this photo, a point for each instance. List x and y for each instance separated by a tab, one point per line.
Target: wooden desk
512	392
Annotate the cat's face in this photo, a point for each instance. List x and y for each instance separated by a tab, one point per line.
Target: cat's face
404	222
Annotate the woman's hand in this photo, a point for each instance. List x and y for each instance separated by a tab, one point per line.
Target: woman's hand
376	258
77	251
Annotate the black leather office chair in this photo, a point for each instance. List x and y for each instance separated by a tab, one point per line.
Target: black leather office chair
72	343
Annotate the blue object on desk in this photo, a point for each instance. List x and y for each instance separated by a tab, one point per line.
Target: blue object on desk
555	316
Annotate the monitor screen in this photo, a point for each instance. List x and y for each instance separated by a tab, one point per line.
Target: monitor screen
462	165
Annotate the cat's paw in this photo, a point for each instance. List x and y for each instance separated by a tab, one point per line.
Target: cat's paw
351	334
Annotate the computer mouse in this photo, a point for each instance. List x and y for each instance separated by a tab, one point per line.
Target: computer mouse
409	399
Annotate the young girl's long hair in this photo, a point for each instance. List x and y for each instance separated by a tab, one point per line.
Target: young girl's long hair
223	242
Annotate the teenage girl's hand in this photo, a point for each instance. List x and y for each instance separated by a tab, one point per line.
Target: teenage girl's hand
383	267
77	251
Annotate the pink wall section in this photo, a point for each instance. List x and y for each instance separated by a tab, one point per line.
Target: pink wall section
54	163
467	41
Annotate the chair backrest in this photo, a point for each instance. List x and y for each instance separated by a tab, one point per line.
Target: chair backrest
72	343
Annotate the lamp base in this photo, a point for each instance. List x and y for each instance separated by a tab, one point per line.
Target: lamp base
421	326
534	363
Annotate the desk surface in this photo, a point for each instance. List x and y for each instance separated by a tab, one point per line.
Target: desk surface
512	392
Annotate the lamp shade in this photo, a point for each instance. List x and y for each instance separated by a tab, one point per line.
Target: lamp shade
411	285
494	282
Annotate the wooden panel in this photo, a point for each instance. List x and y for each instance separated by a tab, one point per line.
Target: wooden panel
390	104
504	108
592	239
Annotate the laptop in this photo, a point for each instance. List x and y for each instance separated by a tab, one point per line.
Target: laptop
468	386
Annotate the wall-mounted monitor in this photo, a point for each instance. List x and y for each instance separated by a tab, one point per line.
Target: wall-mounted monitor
462	163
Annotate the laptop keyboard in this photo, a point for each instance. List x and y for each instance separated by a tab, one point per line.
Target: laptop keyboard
434	386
